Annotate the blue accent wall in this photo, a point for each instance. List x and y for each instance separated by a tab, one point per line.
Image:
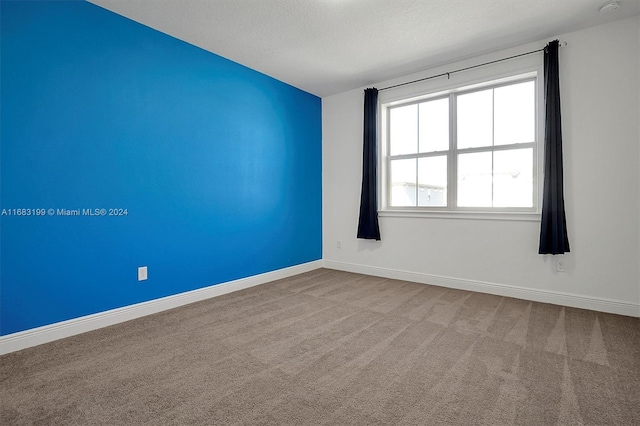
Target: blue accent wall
218	166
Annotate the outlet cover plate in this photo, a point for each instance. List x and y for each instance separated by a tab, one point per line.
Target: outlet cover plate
142	273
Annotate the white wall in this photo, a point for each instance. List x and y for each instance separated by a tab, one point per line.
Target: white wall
600	74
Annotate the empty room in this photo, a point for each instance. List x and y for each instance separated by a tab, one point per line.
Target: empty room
320	212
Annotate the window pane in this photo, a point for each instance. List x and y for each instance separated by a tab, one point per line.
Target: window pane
403	182
432	181
434	125
403	127
475	119
474	179
513	178
515	113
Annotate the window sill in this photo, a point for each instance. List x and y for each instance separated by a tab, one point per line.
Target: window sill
468	215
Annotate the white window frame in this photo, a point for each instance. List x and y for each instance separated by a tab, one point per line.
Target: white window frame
432	90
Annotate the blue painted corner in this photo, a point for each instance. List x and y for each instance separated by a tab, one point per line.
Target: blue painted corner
218	166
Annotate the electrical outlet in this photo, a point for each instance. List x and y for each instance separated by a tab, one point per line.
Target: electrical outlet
339	244
142	273
560	267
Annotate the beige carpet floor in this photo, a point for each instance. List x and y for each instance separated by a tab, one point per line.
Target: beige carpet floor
334	348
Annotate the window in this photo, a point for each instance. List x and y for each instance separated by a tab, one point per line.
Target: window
472	149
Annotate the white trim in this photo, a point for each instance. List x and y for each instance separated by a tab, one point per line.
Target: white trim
48	333
458	214
521	69
544	296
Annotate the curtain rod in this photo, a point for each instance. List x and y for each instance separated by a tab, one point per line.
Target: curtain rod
448	74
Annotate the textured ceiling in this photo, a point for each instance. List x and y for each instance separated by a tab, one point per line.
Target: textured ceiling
330	46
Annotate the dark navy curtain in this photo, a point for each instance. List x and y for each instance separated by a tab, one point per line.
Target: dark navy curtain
368	227
553	229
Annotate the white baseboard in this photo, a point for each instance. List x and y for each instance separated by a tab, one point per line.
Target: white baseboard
48	333
545	296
